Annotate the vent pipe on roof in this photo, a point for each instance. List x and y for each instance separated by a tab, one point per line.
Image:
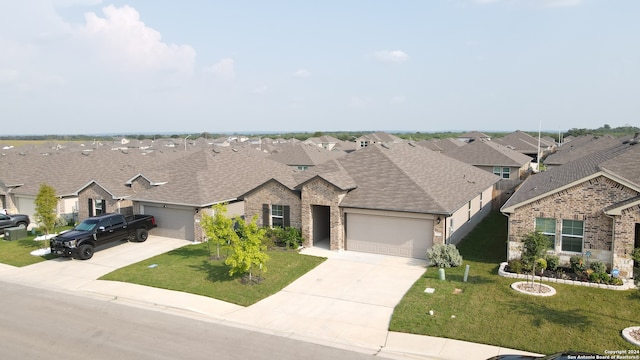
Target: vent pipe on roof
636	138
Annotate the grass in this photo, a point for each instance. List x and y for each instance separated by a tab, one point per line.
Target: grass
488	311
189	269
18	252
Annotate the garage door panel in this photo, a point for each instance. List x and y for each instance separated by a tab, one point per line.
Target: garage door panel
172	222
389	235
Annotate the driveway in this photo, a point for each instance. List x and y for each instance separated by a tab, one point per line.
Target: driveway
69	274
347	299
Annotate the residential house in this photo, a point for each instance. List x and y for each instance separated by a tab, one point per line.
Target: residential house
377	138
587	207
526	144
473	135
302	156
579	147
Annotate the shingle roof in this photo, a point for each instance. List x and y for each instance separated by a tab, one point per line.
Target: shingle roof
207	177
303	154
522	142
403	177
622	160
580	147
488	153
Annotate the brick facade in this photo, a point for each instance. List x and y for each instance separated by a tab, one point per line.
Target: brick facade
585	202
320	192
273	193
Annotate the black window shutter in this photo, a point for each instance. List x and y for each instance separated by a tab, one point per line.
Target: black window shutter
286	217
266	213
90	207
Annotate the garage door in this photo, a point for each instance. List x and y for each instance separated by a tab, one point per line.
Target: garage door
389	235
172	222
27	206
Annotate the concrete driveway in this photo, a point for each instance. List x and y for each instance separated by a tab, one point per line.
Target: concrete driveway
70	274
348	299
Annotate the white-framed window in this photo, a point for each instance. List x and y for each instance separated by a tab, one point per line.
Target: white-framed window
547	227
469	211
96	207
302	167
364	144
480	201
277	215
503	172
572	235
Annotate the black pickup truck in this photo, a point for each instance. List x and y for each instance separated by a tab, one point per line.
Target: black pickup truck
81	241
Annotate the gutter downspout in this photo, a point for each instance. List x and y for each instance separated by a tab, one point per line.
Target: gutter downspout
508	232
613	237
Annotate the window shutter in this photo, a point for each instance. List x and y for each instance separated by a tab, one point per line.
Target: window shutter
266	214
90	207
286	218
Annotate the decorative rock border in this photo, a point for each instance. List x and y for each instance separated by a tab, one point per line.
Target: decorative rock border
626	334
628	284
551	291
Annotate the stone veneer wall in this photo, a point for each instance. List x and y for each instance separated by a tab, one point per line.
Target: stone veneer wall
586	202
320	192
273	193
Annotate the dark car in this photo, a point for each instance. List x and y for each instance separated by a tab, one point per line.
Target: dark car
17	220
558	356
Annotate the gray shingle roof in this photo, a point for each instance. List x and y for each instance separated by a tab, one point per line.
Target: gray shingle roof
303	154
580	147
488	153
622	160
403	177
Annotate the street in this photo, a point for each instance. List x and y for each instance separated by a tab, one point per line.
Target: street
42	324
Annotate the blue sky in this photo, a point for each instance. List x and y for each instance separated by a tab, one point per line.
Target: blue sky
152	66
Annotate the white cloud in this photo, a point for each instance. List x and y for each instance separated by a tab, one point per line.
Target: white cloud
120	37
394	56
261	89
223	69
302	73
9	76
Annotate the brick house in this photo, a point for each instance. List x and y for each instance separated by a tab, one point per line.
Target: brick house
589	206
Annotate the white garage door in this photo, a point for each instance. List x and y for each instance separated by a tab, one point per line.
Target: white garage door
27	206
172	222
389	235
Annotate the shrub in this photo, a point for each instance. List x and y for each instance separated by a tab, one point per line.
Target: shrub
516	266
577	264
553	261
541	264
598	267
444	256
615	281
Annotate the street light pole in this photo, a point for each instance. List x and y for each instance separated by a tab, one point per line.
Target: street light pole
185	143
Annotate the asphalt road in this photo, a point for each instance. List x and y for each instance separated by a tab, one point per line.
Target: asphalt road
41	324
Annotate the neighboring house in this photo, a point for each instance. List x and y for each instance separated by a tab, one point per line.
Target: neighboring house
526	144
588	206
441	145
394	199
495	158
377	138
473	135
579	147
302	156
325	141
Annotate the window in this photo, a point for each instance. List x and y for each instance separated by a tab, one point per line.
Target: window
480	201
96	207
364	144
572	235
503	172
302	167
547	227
277	215
469	212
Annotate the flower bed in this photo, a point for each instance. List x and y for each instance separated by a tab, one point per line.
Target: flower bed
566	279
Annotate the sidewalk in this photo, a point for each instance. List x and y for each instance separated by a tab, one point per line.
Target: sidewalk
365	333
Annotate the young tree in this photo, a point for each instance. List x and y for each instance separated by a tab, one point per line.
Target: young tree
534	248
46	203
218	228
248	249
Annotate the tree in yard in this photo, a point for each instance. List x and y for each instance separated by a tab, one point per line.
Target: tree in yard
248	249
46	203
218	228
534	247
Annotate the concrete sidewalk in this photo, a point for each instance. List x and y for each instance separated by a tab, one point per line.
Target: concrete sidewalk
346	302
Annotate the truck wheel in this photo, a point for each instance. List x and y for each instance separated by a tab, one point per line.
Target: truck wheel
22	225
142	235
85	252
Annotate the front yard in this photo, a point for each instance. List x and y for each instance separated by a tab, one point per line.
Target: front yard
189	269
486	310
18	252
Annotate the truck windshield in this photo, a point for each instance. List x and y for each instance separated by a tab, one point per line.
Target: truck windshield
87	225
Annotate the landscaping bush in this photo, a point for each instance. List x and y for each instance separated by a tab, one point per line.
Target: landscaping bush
541	264
444	256
553	261
516	266
577	264
598	267
289	237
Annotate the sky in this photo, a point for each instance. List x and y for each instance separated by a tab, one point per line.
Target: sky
160	66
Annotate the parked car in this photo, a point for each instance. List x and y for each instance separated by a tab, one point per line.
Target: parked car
17	220
81	241
558	356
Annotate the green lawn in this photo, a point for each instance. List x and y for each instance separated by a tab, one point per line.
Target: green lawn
488	311
18	252
189	269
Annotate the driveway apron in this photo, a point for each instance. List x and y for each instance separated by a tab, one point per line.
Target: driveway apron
347	299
